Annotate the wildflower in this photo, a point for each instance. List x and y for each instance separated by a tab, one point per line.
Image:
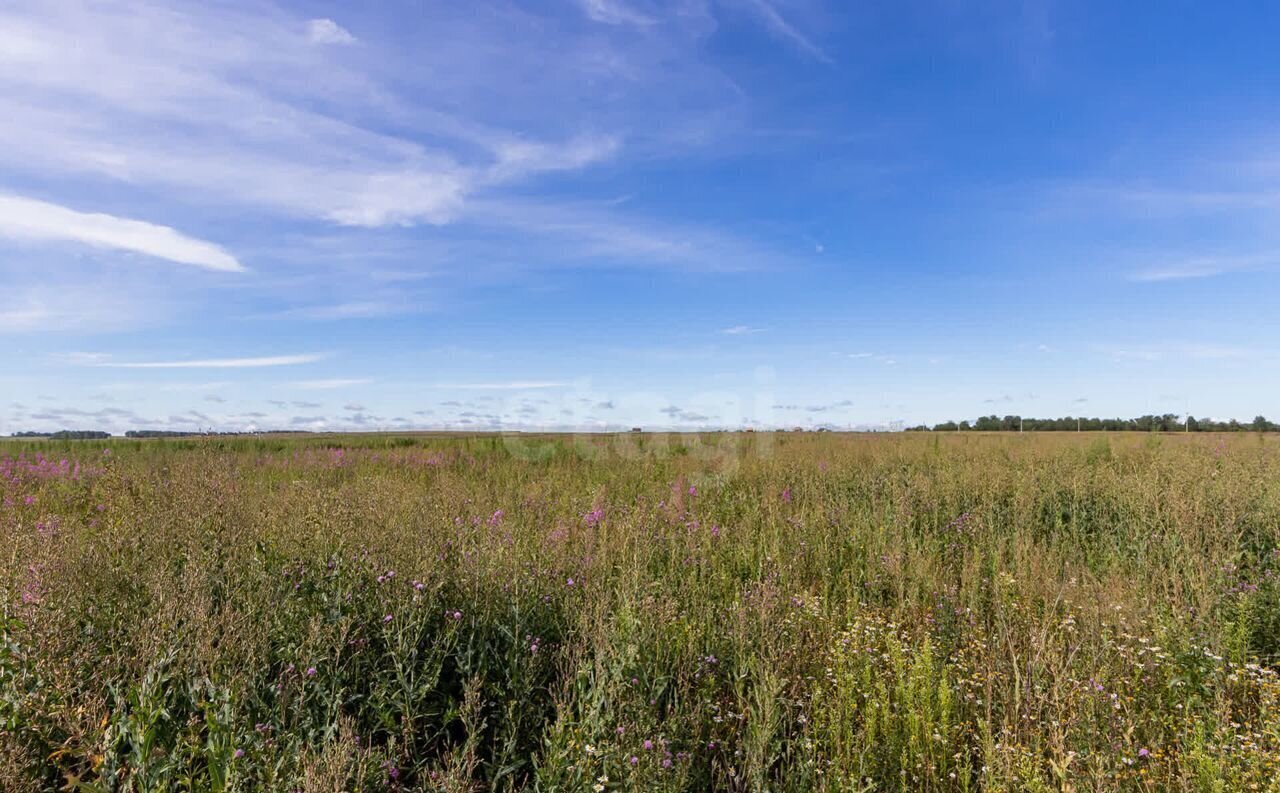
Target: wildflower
457	615
311	671
239	753
634	760
648	744
1144	753
589	749
786	495
693	491
387	618
569	582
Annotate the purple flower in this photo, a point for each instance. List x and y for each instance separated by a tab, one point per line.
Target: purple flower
1143	752
457	615
593	517
786	495
387	618
239	753
648	744
311	671
693	491
634	759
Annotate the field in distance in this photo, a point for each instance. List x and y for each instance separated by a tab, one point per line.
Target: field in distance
721	611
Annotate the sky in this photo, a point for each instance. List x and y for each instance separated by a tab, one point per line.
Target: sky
596	214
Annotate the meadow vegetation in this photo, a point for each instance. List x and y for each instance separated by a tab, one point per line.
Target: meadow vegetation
740	612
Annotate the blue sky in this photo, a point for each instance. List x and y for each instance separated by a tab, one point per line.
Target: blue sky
604	213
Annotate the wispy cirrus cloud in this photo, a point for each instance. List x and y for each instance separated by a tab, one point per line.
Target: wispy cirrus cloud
741	330
780	28
613	12
332	383
1203	267
199	123
28	219
218	363
509	385
326	31
1204	351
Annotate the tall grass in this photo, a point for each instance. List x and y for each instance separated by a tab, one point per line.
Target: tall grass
787	613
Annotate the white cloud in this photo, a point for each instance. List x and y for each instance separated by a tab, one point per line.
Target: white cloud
221	363
326	31
741	330
1203	267
515	385
230	105
784	30
324	385
613	12
29	219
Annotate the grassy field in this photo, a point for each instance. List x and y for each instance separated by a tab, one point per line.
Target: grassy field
912	612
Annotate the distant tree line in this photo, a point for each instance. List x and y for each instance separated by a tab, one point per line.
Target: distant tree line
189	434
91	435
66	435
1168	422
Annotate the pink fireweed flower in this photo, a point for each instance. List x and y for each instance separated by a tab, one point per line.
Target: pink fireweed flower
593	517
